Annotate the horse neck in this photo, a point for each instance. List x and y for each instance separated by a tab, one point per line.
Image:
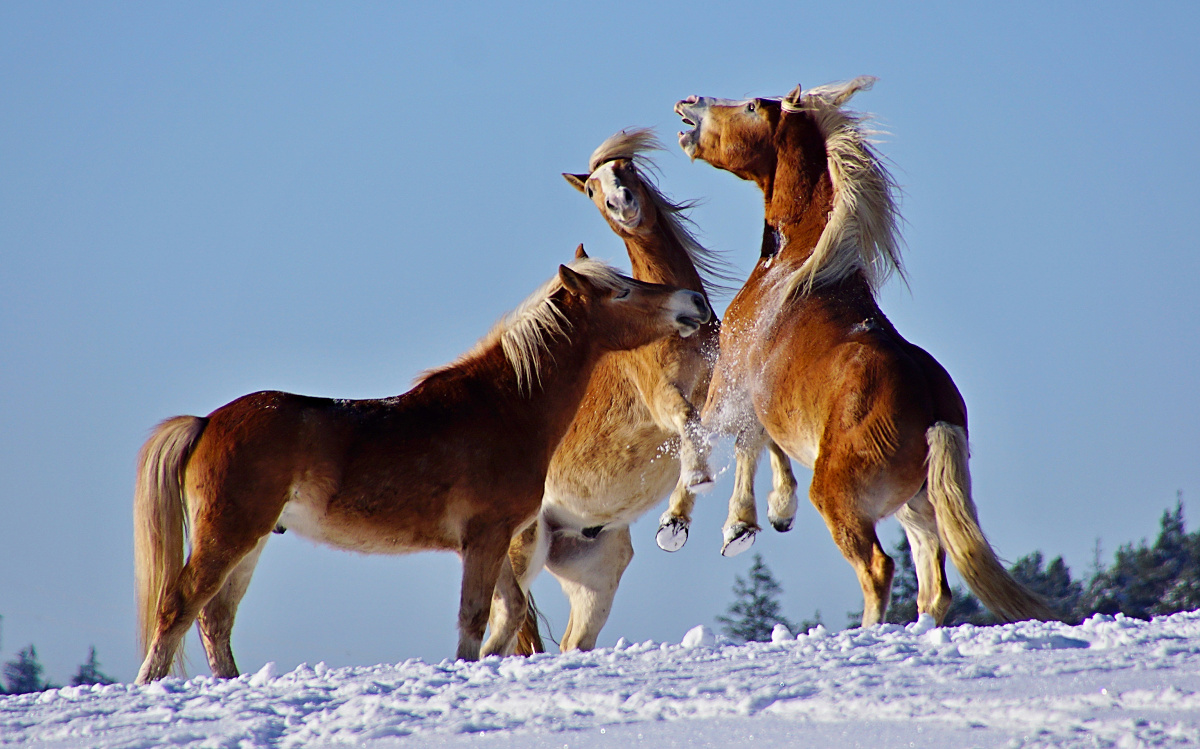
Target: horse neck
659	257
550	402
797	206
798	195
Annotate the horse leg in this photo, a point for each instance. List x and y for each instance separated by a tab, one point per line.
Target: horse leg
589	573
526	558
216	617
694	472
200	579
781	503
854	533
509	608
920	525
483	555
742	522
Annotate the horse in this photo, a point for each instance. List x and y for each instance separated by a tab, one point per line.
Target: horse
637	433
457	463
809	361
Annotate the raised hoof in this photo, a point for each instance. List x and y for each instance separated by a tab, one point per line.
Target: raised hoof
737	539
672	534
783	525
699	482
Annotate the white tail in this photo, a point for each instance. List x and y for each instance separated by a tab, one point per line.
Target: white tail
159	517
958	525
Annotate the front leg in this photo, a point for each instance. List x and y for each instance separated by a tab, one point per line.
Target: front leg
742	522
781	503
484	554
677	411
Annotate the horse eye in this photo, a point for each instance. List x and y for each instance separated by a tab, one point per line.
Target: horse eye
589	191
750	107
621	294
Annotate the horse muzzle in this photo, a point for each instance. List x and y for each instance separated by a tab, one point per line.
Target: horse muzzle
692	311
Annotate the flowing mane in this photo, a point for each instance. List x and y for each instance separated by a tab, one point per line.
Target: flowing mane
633	144
863	230
525	332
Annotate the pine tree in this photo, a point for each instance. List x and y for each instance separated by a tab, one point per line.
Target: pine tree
1053	584
1146	581
755	612
90	673
24	674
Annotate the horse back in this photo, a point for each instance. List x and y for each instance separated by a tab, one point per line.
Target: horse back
382	476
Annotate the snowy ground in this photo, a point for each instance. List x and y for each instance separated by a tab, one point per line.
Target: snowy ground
1107	682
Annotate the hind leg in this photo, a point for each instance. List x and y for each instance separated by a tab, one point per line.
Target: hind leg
854	533
589	572
200	579
216	617
920	525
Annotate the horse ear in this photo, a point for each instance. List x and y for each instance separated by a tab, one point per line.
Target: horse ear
572	281
579	253
794	97
577	181
861	83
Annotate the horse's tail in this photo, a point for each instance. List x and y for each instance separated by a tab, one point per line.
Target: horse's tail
958	525
529	639
159	517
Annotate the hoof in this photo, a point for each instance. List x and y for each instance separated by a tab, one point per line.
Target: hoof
783	525
672	534
738	538
699	482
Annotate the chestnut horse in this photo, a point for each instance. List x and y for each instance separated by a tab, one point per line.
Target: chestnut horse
457	463
809	360
637	433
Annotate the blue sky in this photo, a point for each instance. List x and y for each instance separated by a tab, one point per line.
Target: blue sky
202	200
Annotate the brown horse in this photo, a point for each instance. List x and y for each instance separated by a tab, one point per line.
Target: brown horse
457	463
807	355
637	433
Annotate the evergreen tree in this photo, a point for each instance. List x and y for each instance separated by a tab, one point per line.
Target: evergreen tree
90	673
1146	581
25	673
1053	584
755	612
807	624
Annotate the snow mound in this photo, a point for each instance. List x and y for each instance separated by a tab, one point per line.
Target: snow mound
1108	682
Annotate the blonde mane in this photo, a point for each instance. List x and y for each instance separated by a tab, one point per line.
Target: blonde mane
633	144
862	233
525	333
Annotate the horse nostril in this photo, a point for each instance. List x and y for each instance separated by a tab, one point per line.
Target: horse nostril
702	306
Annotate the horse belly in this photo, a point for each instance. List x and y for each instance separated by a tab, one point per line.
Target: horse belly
308	514
613	483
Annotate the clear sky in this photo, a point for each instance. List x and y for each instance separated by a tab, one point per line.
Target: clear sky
202	200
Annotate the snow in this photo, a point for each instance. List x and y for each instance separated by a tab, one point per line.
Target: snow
1107	682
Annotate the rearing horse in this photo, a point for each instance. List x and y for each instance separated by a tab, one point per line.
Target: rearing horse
809	359
637	433
458	463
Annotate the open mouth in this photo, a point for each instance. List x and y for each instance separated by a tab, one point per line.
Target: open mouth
688	138
687	325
